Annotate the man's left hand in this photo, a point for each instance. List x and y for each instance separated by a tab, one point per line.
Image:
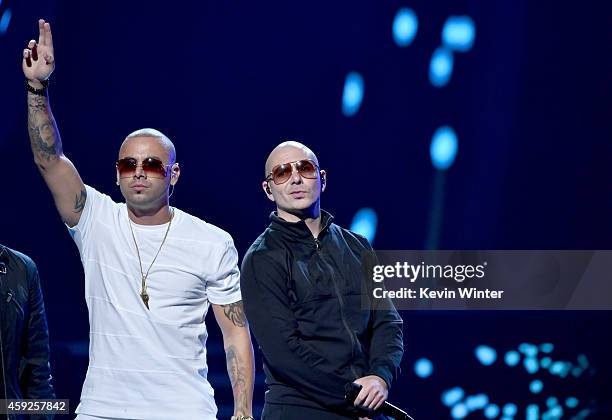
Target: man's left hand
374	392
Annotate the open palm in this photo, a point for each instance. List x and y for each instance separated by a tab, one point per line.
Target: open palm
38	61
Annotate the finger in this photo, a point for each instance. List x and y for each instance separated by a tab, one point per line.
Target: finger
32	47
41	32
363	393
48	36
370	399
378	403
26	57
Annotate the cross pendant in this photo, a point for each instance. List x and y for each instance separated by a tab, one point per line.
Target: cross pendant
145	299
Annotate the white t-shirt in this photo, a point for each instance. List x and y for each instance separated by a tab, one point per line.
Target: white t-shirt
150	364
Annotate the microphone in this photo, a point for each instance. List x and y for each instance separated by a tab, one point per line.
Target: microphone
352	389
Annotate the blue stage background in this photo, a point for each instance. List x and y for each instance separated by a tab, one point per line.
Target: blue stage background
529	103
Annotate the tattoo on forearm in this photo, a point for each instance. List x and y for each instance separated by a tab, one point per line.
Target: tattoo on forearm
237	374
79	201
235	313
44	137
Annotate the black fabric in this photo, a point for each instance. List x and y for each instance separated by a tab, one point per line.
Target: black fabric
303	299
23	332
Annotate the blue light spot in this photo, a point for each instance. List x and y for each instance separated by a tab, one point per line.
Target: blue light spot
5	21
532	413
459	411
441	66
491	411
536	386
547	347
571	402
423	368
458	33
556	368
485	355
509	410
476	402
353	94
583	361
443	148
551	402
531	365
512	358
452	396
554	413
528	349
365	222
560	368
546	362
405	26
577	371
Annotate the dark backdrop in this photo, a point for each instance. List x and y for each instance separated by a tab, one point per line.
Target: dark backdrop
226	81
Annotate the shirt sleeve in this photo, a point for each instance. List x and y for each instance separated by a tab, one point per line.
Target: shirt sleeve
224	287
97	206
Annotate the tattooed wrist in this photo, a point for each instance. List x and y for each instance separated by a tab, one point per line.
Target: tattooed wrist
237	374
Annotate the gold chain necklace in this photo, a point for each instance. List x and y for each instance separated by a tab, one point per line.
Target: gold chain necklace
143	291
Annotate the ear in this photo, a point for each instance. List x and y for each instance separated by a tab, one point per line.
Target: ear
265	185
323	179
175	172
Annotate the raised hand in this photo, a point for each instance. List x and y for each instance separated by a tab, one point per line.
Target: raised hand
38	60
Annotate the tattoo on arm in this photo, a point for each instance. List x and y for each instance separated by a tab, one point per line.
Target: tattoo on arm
237	374
44	136
79	201
235	313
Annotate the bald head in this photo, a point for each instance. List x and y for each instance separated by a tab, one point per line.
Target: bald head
284	149
155	136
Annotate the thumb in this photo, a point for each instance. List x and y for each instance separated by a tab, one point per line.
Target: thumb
48	58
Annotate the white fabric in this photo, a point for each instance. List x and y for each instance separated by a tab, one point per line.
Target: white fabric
150	364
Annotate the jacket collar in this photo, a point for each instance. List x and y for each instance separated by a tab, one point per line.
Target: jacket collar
298	230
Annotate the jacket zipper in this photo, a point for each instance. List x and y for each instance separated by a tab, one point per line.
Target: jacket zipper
344	322
9	298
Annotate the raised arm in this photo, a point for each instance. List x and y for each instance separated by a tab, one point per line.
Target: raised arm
238	354
58	172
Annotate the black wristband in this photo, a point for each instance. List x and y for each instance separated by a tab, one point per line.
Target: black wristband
39	92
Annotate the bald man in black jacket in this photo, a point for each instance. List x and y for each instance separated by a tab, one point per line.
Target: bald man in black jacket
302	286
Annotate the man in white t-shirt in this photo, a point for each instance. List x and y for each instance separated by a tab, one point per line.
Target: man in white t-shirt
151	273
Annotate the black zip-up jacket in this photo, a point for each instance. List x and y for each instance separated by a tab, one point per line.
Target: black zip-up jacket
24	337
303	299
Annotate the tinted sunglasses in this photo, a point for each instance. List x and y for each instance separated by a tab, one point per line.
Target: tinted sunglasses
280	174
152	167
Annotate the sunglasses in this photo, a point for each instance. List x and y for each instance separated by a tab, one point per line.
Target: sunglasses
281	173
152	167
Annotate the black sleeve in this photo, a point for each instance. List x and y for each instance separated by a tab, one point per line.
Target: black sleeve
35	371
386	343
289	357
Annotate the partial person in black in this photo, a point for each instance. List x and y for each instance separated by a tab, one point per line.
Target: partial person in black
302	287
25	372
